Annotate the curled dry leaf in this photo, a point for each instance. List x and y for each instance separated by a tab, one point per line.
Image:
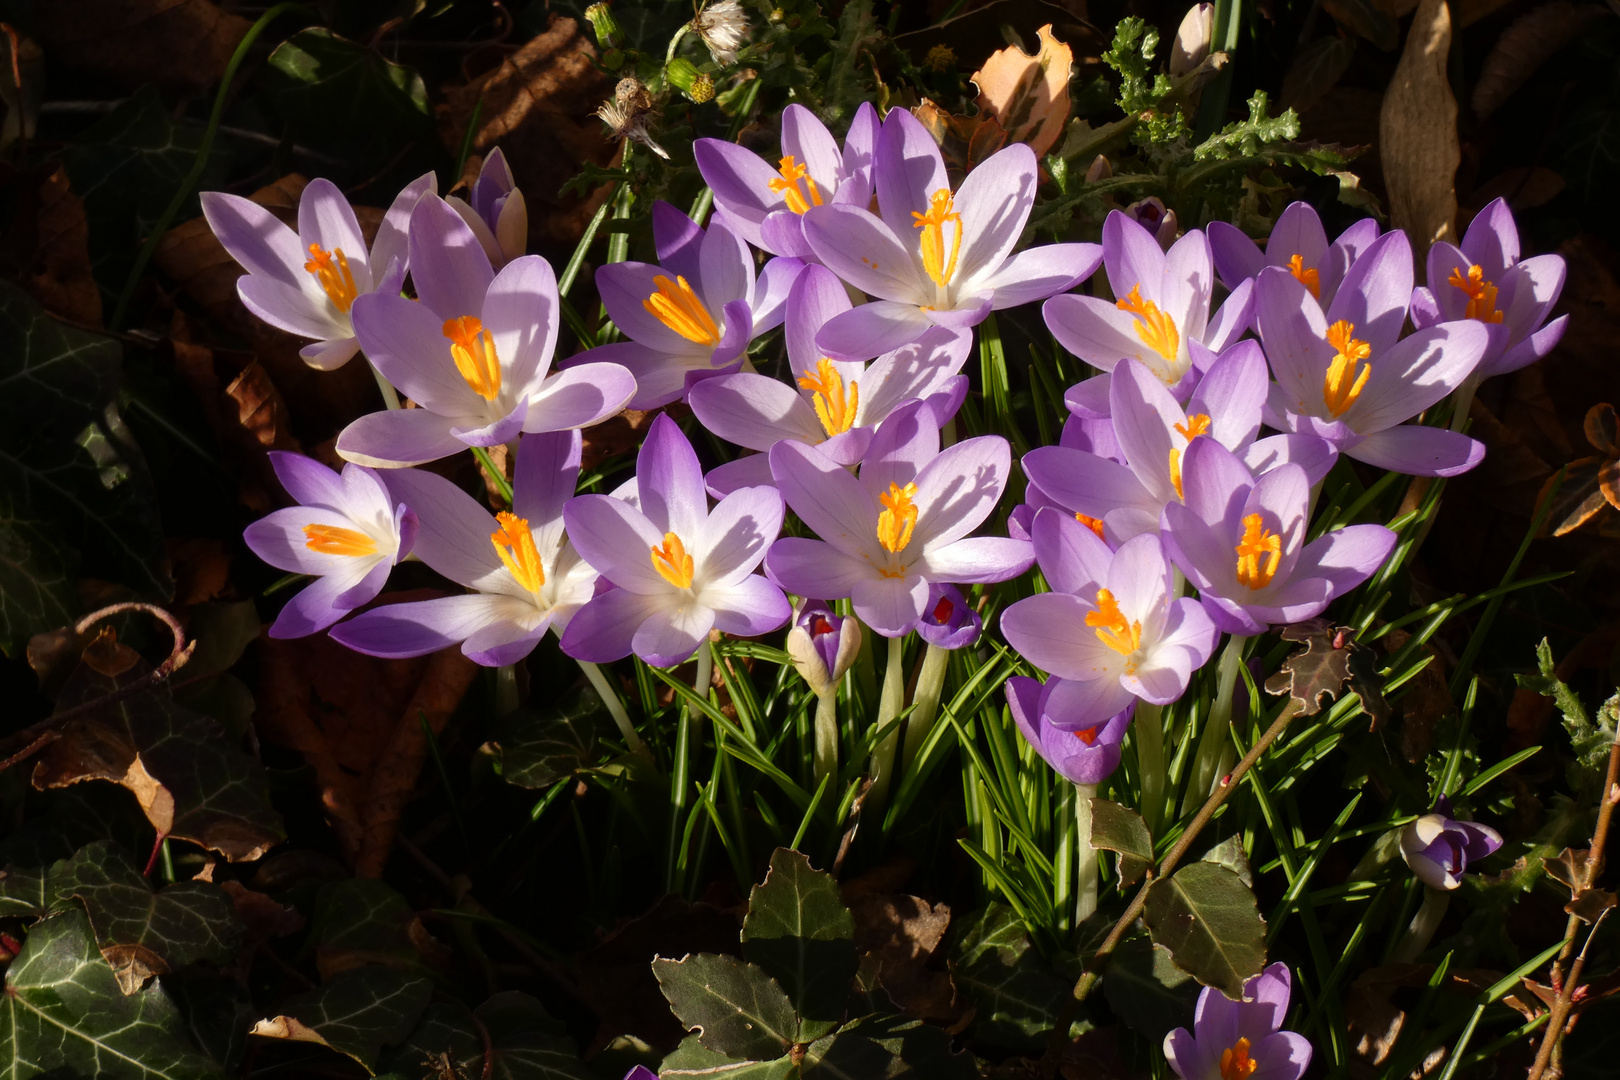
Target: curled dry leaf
964	141
1418	133
183	44
1534	38
46	244
1028	95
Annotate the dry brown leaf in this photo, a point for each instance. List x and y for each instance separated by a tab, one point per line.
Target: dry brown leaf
59	277
901	933
539	105
1523	187
183	44
1534	38
286	1027
1418	133
1028	95
964	141
263	917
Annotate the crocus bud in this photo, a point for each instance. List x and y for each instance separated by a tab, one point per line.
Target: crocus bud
1088	755
1192	39
1156	218
1439	848
605	26
823	645
1099	170
947	619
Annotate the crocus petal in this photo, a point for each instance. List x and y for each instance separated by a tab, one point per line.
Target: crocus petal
1237	258
678	241
314	608
520	313
624	286
741	182
1298	232
670	480
1527	352
326	219
392	240
831	503
397	631
453	530
907	172
1049	630
498	431
959	488
781	233
1230	321
734	538
544	476
994	202
1419	451
255	238
1139	577
329	355
817	295
1492	239
753	411
279	539
1346	557
863	251
871	329
977	560
579	397
617	540
395	438
750	470
406	342
726	267
289	308
748	607
815	568
1073	558
602	631
1099	332
502	644
917	370
308	481
1421	369
890	606
448	264
670	635
660	377
1043	271
860	146
1133	257
1085	483
1375	292
1083	703
768	302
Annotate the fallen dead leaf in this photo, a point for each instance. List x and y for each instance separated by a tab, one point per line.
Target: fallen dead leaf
1028	95
58	274
183	44
1534	38
286	1027
964	141
1418	133
263	917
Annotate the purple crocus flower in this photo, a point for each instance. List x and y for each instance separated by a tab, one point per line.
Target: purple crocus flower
900	527
1241	541
473	351
306	283
1439	848
948	620
823	644
1241	1040
699	575
1086	755
347	531
1485	280
765	205
936	257
641	1072
1298	244
1347	376
1112	629
1161	316
838	404
526	576
692	315
495	211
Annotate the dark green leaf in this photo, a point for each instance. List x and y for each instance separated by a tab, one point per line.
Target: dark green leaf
1367	19
736	1008
535	748
1229	853
799	931
886	1048
1316	69
142	933
995	966
1318	670
1208	920
72	476
360	921
1117	829
63	1014
1146	989
524	1041
357	1013
691	1059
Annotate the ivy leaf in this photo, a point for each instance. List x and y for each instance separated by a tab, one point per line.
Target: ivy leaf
1210	923
535	748
692	1059
995	966
63	1013
1146	989
525	1043
72	475
735	1007
799	930
142	933
886	1048
1318	670
360	921
357	1013
1122	831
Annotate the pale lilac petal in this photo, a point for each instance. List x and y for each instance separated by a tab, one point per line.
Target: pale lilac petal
808	140
520	312
315	607
496	432
1419	451
814	568
1420	370
579	397
1184	1055
831	503
769	300
286	307
278	538
1527	351
603	630
1202	554
1375	292
670	481
890	606
1231	394
860	145
737	330
1283	1055
1449	301
406	342
918	370
731	543
1424	309
1089	398
726	268
994	202
1049	630
326	219
448	264
503	644
781	233
749	607
544	477
1073	559
1083	703
256	238
1216	483
1140	578
392	241
817	295
902	447
329	355
623	287
1293	331
959	488
907	171
1144	415
308	481
678	242
1237	258
617	540
1085	483
1492	239
1043	271
395	438
872	329
1316	456
977	560
1298	232
398	631
753	411
862	250
670	635
969	312
750	470
660	377
1189	279
1133	257
1231	321
1098	332
453	530
741	183
1346	557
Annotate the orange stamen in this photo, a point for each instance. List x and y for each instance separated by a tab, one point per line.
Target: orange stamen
514	543
792	175
678	307
1481	294
672	562
833	409
1088	735
473	350
1094	524
1257	541
1236	1064
336	540
336	280
1342	385
941	211
1113	629
1305	275
898	518
1156	329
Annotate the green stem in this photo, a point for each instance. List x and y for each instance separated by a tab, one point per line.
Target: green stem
890	701
701	679
1148	728
1462	401
389	395
501	482
827	733
1214	740
615	707
925	703
1085	888
506	691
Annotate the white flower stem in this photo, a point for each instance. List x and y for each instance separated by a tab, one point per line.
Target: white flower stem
1423	925
615	707
1085	885
1214	740
700	680
890	701
389	395
1463	401
827	733
1147	726
925	702
506	691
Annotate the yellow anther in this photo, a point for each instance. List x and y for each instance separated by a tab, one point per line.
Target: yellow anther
678	307
1305	275
1236	1064
514	543
1156	329
898	518
834	409
336	540
1197	424
1175	471
672	562
335	278
1258	541
473	349
938	261
1113	629
1481	294
1094	524
1343	385
792	174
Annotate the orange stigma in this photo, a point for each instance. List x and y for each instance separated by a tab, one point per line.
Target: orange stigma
1113	629
1481	294
1094	524
1197	424
1342	385
1156	329
514	543
938	262
1088	735
1305	275
1236	1064
672	562
678	307
473	349
792	175
336	540
336	279
1257	541
898	518
834	409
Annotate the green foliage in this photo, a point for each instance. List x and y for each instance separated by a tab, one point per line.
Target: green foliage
357	1013
1116	829
886	1048
735	1007
525	1042
1016	994
1141	94
1208	919
537	747
799	931
1147	990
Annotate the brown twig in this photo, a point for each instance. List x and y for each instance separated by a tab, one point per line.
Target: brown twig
1591	867
1094	969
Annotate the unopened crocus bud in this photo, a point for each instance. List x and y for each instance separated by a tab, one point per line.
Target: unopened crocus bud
1086	755
1099	170
823	645
1439	848
947	620
605	26
1156	218
1192	39
684	76
494	210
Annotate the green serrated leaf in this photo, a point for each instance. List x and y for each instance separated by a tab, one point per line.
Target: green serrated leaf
357	1013
735	1007
63	1014
524	1041
1146	989
537	747
143	934
1122	831
1247	138
799	930
1210	923
886	1048
690	1058
1017	998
